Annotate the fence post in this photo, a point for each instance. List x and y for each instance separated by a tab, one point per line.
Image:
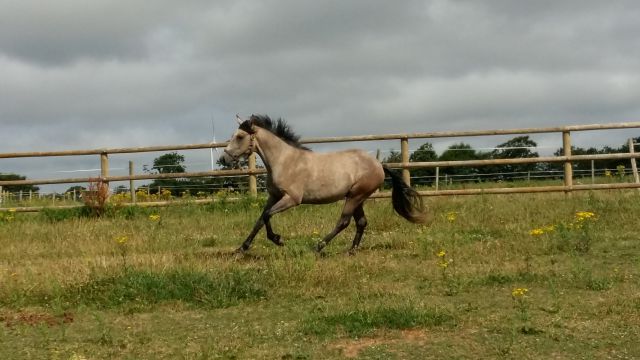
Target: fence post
132	188
404	150
593	171
104	168
378	154
437	177
568	170
1	194
253	184
634	167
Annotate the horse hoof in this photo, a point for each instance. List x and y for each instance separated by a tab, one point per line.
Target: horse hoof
319	248
276	240
351	252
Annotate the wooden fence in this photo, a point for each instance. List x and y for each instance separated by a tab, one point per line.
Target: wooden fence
567	159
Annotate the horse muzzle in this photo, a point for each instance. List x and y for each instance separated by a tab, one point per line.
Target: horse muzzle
227	159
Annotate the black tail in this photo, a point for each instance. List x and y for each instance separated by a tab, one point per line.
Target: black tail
406	201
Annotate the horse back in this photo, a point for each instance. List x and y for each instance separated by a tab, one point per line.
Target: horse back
328	177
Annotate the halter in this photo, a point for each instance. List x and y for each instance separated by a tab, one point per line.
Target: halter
252	145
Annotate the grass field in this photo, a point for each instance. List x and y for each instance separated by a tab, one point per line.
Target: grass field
517	276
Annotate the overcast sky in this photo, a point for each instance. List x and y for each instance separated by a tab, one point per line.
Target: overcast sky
90	74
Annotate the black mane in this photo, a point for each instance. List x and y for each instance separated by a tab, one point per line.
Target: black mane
279	128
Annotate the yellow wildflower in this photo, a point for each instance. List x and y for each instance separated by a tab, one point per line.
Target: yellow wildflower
452	216
442	253
154	217
585	215
536	232
121	240
519	292
443	264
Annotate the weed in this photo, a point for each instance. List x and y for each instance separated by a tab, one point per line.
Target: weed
523	317
575	235
8	216
96	196
121	243
450	283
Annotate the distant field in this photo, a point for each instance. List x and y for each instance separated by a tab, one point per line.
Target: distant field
516	276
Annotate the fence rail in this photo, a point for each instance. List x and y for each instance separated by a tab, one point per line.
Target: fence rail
567	158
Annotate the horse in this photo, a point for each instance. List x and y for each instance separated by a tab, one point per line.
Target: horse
296	175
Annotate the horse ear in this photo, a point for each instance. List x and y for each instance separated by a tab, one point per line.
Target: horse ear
248	127
239	119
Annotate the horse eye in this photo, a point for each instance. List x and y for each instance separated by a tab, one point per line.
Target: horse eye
240	137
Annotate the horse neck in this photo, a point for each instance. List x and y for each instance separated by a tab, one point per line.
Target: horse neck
272	150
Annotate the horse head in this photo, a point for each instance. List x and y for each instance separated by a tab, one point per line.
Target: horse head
241	144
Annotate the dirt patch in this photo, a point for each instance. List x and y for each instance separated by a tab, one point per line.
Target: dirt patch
34	318
352	348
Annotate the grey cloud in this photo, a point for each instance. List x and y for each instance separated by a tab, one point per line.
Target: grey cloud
77	74
56	33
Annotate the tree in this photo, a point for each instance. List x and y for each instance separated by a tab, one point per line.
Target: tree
459	152
393	157
424	153
580	167
516	148
170	163
16	188
584	167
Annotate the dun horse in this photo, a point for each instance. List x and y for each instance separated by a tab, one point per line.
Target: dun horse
296	175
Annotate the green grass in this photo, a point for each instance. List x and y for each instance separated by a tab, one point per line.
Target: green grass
141	289
174	289
363	322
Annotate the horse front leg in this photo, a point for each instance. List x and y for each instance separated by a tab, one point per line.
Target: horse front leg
259	224
275	238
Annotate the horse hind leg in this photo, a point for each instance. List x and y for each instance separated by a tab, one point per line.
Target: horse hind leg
343	222
361	224
350	206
